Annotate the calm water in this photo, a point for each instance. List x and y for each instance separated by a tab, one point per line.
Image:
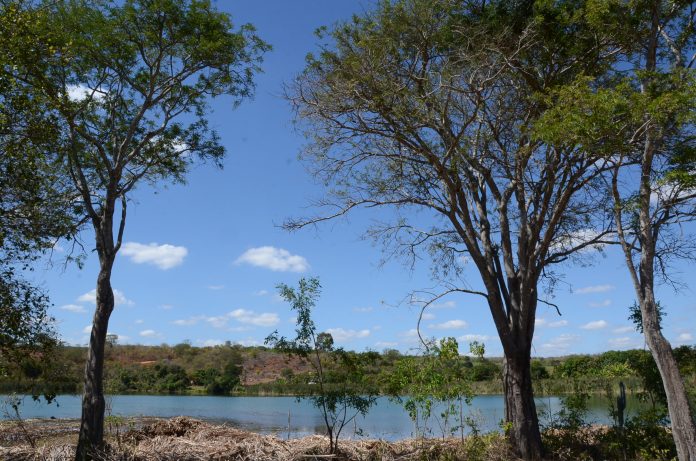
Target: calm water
269	415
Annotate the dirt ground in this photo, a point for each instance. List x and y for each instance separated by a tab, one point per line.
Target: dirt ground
186	439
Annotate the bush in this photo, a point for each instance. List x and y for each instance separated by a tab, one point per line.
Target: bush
645	437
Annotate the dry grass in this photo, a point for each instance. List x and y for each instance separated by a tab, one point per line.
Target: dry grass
186	439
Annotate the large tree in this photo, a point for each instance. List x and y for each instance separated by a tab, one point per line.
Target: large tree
648	101
665	149
128	84
36	207
432	107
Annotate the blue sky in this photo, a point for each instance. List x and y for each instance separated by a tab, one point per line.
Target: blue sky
202	260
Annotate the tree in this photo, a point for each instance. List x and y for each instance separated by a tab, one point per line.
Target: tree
27	336
646	102
664	149
36	207
437	378
128	85
339	388
325	341
431	107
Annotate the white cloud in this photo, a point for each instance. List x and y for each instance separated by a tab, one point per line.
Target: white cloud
339	334
210	342
163	256
625	329
605	303
363	309
386	344
545	323
427	316
217	321
261	293
149	334
594	289
76	308
139	321
87	329
166	307
275	259
474	337
624	341
669	192
596	325
266	319
575	239
560	343
443	305
449	325
80	92
216	287
218	342
119	298
186	322
685	337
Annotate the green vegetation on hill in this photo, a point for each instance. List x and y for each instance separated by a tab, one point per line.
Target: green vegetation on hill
230	368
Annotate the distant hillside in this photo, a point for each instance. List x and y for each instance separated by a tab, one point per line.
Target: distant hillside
229	368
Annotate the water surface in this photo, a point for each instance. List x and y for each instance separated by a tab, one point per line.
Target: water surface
286	417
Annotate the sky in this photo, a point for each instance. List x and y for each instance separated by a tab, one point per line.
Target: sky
201	261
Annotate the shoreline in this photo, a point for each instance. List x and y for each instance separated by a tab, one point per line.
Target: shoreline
184	438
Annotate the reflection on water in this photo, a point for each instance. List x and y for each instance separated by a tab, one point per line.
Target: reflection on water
286	417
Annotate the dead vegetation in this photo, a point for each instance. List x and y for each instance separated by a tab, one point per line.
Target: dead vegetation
186	439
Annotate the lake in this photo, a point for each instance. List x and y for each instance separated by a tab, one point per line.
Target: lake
286	417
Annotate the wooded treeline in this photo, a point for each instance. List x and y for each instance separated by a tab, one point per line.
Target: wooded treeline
234	369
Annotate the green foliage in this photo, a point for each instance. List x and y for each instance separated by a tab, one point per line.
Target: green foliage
436	381
477	349
36	208
573	408
484	370
27	339
157	379
577	366
636	316
645	437
339	387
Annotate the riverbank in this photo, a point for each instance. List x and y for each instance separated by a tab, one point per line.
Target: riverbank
187	439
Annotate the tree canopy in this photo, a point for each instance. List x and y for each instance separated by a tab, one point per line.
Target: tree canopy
431	109
36	205
127	85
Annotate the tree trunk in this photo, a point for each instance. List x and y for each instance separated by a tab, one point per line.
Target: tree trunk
91	436
683	427
520	409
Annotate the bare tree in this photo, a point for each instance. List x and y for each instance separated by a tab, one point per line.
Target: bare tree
658	195
421	107
128	83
